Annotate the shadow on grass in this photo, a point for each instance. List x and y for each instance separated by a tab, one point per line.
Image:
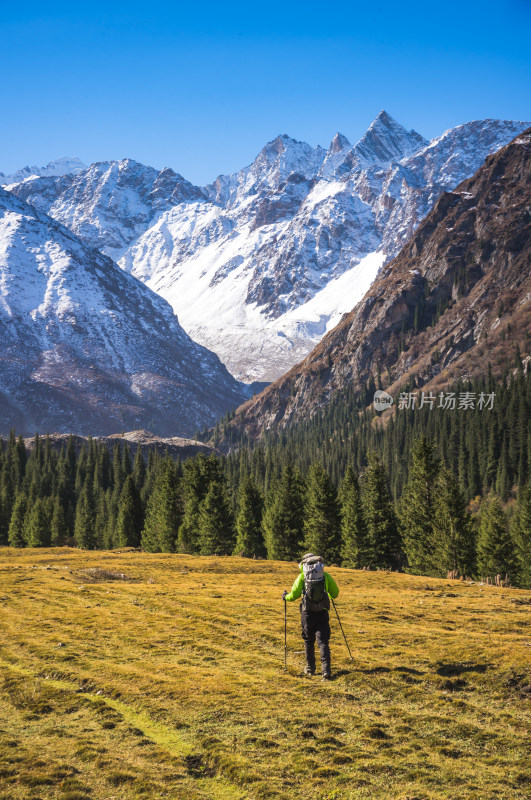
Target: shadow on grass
452	670
409	670
375	670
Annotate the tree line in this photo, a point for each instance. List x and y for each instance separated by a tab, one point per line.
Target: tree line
489	450
93	499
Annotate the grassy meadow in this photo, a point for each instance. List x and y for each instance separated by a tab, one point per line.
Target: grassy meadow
133	675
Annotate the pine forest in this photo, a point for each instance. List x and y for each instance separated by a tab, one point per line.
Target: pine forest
431	491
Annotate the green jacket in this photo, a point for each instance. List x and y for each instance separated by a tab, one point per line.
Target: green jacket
298	587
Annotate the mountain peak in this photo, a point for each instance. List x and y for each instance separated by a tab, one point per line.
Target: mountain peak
386	140
85	346
338	143
280	144
444	347
385	118
284	156
66	165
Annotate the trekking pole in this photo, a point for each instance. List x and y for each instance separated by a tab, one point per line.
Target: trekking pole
341	626
285	636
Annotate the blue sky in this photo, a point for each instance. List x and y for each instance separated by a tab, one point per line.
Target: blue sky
202	86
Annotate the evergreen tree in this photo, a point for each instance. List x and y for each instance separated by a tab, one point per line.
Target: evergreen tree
127	468
81	471
521	530
20	460
130	519
322	524
84	533
66	479
282	522
38	532
104	525
118	476
198	474
59	531
216	522
17	531
416	512
6	506
496	554
139	470
453	536
355	552
249	541
163	512
384	539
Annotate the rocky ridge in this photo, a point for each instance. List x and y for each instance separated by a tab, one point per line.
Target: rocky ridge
175	446
439	311
87	348
60	166
259	265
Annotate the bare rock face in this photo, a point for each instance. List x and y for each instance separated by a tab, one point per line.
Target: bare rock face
89	349
437	310
261	264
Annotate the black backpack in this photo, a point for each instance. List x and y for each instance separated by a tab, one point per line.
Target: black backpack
315	596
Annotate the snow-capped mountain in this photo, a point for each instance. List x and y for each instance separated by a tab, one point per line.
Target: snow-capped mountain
60	166
441	312
385	141
259	265
111	203
87	348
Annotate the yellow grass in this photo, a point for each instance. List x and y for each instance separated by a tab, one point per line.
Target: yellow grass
169	683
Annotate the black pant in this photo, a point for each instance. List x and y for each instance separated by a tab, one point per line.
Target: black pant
316	625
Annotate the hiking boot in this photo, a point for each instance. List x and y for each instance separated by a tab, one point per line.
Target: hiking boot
308	670
327	676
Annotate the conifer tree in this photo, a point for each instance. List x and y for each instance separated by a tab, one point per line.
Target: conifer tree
81	471
84	525
163	512
127	468
282	522
417	508
6	506
216	522
355	552
198	474
104	525
17	531
130	519
59	531
38	532
322	524
139	470
453	537
20	459
385	546
521	534
503	482
249	541
66	479
496	554
118	476
102	470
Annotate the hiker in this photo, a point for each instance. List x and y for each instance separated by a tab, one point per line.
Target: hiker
316	587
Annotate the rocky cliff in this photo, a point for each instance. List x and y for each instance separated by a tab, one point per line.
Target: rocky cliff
455	299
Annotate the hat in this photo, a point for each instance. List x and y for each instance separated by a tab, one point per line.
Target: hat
310	558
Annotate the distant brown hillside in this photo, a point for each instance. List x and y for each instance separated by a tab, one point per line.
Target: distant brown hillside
457	297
